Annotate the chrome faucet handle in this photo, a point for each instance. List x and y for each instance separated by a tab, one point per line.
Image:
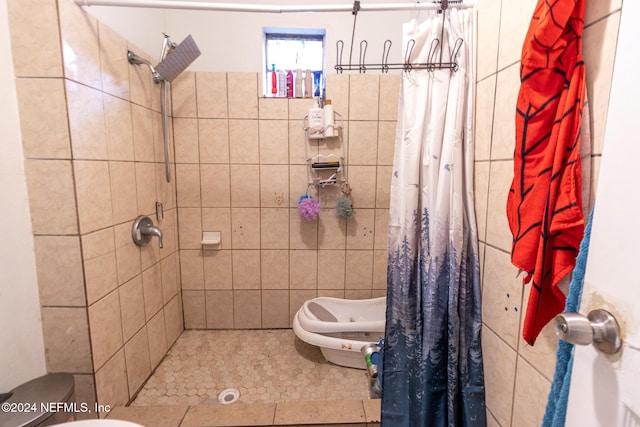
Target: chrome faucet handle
143	229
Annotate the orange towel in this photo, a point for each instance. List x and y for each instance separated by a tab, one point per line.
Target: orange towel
544	206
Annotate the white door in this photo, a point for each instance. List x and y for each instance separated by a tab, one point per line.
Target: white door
605	390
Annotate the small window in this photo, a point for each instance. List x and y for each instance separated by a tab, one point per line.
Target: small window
292	49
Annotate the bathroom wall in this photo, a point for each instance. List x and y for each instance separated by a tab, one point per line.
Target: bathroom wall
22	355
517	375
241	170
92	145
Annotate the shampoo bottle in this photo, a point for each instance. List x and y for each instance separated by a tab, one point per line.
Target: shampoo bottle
328	119
298	88
289	84
308	84
316	121
274	80
282	83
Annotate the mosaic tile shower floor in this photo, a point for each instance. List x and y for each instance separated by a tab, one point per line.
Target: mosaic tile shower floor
264	365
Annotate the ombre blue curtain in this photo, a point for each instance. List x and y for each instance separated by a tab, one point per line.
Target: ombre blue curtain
432	366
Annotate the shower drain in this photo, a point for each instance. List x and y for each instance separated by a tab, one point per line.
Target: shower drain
228	395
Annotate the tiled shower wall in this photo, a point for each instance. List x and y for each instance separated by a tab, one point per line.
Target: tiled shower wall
517	375
240	166
93	161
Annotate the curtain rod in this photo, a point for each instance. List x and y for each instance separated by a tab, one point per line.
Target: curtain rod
234	7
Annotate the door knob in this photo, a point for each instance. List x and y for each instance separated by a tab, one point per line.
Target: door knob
599	328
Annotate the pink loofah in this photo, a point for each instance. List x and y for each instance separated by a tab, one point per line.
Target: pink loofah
308	208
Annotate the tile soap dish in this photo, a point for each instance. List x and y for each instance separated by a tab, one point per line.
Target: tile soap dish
211	238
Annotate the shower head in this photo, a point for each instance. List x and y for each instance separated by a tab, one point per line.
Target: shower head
176	60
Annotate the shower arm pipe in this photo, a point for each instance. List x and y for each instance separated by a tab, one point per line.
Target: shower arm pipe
233	7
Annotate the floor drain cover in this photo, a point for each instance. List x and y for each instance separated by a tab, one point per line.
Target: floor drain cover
229	395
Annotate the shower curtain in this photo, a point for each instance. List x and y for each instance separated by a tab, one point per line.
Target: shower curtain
432	358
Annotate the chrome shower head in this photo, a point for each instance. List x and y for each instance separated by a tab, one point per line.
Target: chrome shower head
177	59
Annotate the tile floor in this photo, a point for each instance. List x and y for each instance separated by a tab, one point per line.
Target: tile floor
266	366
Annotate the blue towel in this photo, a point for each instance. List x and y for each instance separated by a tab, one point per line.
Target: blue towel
556	412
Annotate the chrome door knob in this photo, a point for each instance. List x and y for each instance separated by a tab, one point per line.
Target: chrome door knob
599	328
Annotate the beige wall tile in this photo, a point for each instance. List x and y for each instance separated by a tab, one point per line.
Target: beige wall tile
51	201
297	154
599	46
380	269
115	65
386	142
136	354
105	321
356	294
132	307
152	288
86	122
363	192
485	98
146	187
337	92
186	140
85	391
503	138
275	309
93	190
215	185
381	229
247	310
501	296
80	49
514	23
360	230
331	268
157	339
597	10
245	226
190	228
213	137
35	38
499	376
363	97
100	267
183	95
194	312
170	272
389	96
246	269
488	23
480	193
363	142
273	108
219	305
298	179
243	103
111	382
212	95
332	231
166	191
217	270
243	141
274	141
383	186
192	269
123	192
43	118
245	185
66	339
358	270
297	298
118	122
498	232
303	269
173	319
274	269
188	185
274	228
530	396
218	219
127	253
140	80
141	122
169	227
543	354
59	269
302	234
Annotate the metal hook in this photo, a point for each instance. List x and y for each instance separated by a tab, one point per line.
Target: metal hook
339	48
363	51
407	55
386	48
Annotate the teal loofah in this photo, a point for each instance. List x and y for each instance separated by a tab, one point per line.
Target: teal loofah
344	207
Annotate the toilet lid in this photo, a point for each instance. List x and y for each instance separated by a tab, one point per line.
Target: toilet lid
99	423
